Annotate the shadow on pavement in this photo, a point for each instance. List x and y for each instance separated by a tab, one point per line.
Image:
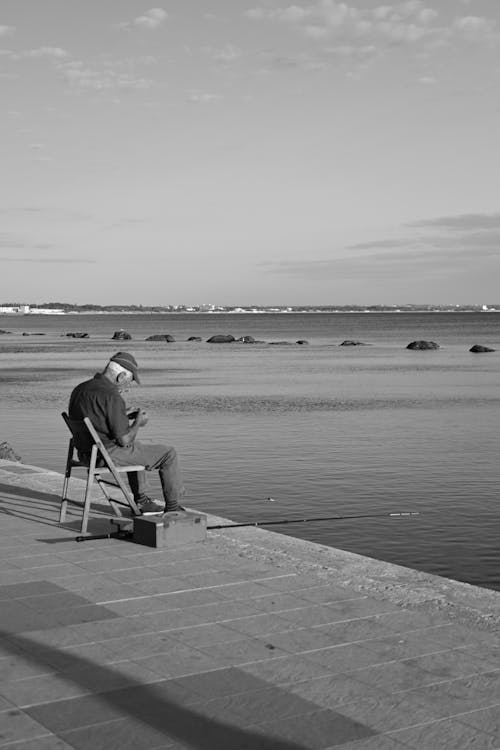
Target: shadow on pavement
158	706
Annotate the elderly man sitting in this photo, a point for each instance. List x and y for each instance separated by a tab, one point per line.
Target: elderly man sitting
100	399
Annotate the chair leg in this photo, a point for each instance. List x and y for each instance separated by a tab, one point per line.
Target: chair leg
67	475
88	491
109	497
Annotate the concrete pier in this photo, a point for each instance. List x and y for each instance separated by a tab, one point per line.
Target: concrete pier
250	640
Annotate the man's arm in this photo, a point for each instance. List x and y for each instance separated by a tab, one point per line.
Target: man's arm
128	437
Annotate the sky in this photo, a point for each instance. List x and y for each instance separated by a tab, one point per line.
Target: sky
241	152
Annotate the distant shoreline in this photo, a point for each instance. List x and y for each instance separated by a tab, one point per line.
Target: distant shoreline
298	311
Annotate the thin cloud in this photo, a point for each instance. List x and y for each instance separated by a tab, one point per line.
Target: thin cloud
7	30
80	76
150	20
460	222
200	97
434	261
47	260
50	52
408	23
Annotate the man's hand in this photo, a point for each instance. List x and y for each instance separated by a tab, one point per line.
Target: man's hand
141	418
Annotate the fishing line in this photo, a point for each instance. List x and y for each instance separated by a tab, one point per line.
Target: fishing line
308	520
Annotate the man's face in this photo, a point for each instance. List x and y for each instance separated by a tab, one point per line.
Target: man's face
125	380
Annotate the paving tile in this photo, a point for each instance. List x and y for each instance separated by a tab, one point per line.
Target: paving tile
36	562
326	594
19	665
343	658
55	600
332	691
289	582
402	645
205	635
33	588
57	636
285	669
102	630
18	618
443	734
138	606
220	682
126	734
209	578
152	586
136	575
87	613
66	658
76	712
447	664
259	624
223	610
485	719
139	645
268	704
353	630
396	676
17	725
103	590
181	660
482	654
452	635
243	651
316	730
388	712
48	742
243	590
379	742
296	641
278	602
453	696
169	620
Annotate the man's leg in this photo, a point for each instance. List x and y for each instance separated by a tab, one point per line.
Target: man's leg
137	482
161	458
170	477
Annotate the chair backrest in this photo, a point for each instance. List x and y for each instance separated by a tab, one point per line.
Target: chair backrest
83	439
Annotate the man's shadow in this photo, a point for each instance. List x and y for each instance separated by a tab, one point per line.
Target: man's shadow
155	705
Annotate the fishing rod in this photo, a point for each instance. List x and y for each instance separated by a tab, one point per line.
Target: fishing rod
308	520
125	534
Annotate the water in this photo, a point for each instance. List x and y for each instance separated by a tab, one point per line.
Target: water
322	429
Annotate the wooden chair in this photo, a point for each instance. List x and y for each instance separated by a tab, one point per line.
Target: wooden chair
100	463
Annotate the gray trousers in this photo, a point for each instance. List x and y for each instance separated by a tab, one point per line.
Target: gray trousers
155	457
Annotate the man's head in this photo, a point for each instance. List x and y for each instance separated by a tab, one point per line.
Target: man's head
123	368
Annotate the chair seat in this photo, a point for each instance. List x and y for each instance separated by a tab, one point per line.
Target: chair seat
120	469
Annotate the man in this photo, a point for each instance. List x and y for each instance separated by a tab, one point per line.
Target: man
100	399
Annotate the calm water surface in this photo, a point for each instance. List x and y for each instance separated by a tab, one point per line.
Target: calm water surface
321	429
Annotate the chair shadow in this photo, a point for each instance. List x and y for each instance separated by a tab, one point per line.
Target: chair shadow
165	715
28	511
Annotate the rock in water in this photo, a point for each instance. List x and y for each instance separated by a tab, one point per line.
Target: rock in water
221	338
422	345
121	334
348	342
194	338
7	452
78	335
246	339
161	337
302	342
478	348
